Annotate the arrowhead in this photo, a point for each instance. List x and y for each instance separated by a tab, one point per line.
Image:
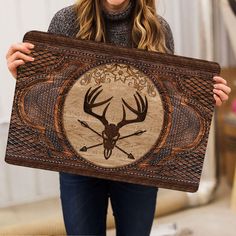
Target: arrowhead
130	156
83	149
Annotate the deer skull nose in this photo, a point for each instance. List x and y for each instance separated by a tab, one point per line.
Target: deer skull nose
107	153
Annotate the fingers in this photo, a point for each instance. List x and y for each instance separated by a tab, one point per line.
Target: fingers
221	90
19	55
223	96
22	47
223	87
218	100
15	64
13	67
219	79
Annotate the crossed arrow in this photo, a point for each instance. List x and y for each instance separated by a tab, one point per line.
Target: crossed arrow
86	148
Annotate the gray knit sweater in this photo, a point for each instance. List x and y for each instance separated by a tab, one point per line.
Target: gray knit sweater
118	27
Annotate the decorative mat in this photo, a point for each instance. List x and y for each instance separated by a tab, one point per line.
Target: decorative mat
112	112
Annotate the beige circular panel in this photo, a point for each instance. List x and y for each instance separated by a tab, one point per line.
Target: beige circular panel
113	115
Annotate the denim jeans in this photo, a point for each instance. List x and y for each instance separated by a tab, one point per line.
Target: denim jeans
85	200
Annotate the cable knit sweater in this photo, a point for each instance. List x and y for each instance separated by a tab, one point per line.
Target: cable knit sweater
117	24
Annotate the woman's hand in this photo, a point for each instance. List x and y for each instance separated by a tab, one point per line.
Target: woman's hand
221	90
17	55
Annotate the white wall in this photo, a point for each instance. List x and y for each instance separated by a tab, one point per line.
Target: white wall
20	184
16	18
192	28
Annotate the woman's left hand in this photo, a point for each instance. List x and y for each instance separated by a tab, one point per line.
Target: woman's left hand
221	90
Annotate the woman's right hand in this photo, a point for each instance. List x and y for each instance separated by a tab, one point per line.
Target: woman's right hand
17	55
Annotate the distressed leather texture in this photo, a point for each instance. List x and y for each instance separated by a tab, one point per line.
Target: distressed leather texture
112	112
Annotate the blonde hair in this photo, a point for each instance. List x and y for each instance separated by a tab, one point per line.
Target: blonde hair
147	31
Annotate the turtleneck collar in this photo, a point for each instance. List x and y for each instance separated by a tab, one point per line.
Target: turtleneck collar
119	15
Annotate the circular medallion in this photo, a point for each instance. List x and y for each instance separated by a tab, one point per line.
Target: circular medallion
113	115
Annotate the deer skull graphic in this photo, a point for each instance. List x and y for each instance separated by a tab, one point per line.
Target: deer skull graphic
111	132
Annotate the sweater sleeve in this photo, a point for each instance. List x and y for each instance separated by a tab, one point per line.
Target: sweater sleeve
64	22
168	34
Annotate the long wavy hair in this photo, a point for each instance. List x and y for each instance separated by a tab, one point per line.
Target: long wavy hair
147	31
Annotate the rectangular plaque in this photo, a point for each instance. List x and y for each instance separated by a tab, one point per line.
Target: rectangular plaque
112	112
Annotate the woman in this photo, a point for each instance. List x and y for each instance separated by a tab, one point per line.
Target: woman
127	23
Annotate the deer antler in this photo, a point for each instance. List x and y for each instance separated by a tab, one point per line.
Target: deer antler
89	104
141	111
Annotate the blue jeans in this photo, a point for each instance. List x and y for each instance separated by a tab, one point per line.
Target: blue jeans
85	200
